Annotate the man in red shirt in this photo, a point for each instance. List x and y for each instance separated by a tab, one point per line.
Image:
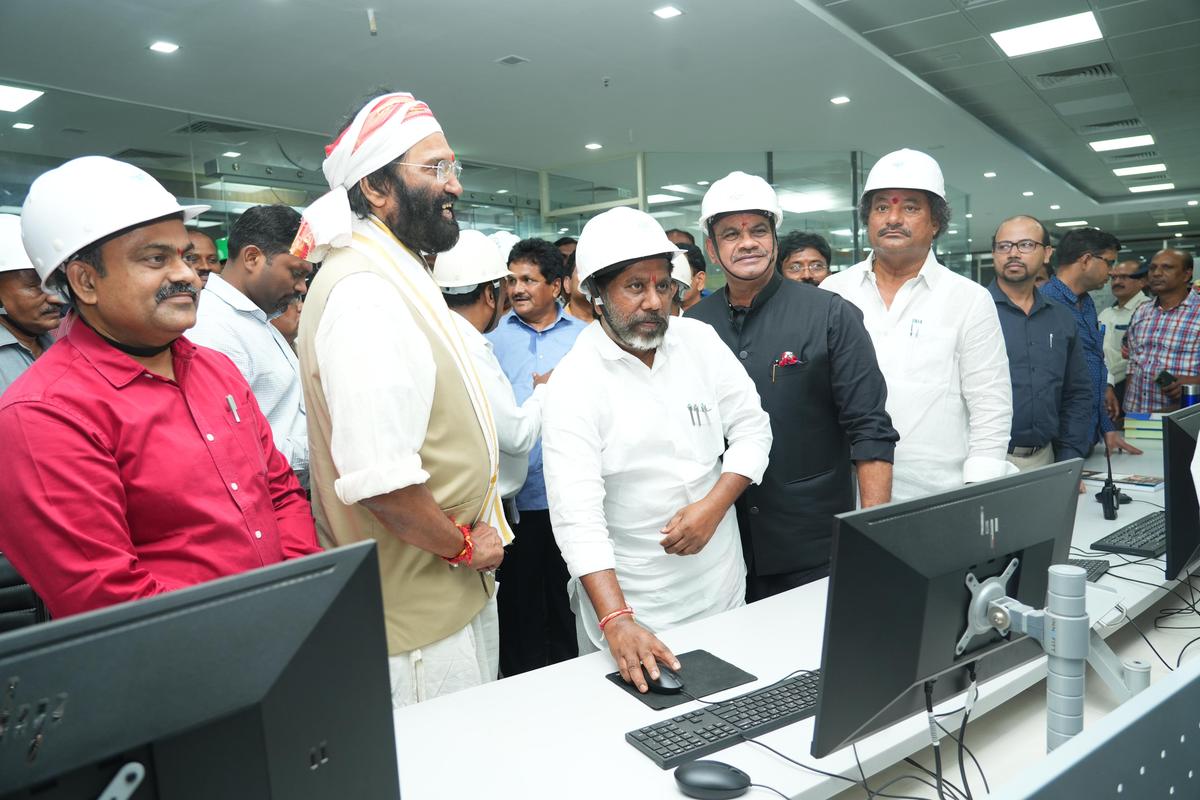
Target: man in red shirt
137	462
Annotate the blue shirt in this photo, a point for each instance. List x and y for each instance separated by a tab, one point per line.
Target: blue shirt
1051	388
522	351
1084	311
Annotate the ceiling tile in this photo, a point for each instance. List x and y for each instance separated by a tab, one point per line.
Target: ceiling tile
1092	105
1183	35
1135	18
923	35
971	76
1015	13
867	15
960	54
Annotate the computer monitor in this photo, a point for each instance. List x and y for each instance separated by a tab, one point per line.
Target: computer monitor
1180	430
898	600
269	684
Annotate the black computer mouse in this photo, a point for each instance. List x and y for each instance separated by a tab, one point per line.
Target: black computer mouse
711	780
668	681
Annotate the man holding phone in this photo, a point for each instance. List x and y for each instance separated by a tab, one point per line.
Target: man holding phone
1164	337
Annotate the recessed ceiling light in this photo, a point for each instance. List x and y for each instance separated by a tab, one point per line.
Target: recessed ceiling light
13	98
1174	223
969	216
593	146
164	47
502	191
231	154
1055	207
951	232
563	230
1075	223
1048	35
1144	169
1193	202
842	232
667	12
23	126
970	240
1027	194
706	183
1104	145
662	198
840	100
1153	187
989	174
1178	235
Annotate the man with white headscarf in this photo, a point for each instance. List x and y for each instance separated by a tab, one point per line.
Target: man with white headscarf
401	438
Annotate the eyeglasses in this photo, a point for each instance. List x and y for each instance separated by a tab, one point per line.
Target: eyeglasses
1024	246
1108	262
444	168
809	268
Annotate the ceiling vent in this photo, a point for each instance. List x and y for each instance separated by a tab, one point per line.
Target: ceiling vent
1113	125
75	131
135	154
1125	158
1154	177
1077	76
206	126
512	61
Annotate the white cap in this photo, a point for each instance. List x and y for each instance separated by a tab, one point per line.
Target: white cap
12	251
86	199
504	241
472	261
906	169
739	191
681	269
616	236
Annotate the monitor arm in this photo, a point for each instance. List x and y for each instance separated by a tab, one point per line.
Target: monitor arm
1065	633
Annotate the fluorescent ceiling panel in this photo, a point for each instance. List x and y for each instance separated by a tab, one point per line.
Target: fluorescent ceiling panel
13	98
1104	145
1048	35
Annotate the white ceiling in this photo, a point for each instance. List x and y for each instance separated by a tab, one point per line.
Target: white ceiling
724	78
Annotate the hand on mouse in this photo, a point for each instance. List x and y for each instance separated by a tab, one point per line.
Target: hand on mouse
633	647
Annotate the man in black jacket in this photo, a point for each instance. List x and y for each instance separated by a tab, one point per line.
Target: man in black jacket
814	366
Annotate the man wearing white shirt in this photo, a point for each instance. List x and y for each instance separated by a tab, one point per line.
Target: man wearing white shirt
471	275
1127	281
259	282
640	481
936	334
402	446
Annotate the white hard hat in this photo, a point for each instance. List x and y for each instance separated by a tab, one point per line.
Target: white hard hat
906	169
472	261
738	191
12	251
619	235
86	199
504	241
681	269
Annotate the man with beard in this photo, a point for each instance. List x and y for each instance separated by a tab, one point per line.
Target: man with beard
136	462
260	280
936	333
536	627
811	360
28	313
1052	396
640	479
402	447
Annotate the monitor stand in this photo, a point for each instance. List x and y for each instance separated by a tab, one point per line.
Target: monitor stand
1065	633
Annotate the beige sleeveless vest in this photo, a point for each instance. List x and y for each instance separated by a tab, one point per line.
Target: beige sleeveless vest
424	598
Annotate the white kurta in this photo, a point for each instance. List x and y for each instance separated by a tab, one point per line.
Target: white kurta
623	453
941	350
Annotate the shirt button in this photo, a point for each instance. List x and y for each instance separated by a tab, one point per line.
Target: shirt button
233	486
743	355
753	509
258	534
210	437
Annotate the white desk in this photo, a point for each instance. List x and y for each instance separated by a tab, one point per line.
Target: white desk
559	731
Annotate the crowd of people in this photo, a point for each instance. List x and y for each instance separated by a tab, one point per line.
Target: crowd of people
557	447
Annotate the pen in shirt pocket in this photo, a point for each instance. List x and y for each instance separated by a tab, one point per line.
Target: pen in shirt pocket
233	407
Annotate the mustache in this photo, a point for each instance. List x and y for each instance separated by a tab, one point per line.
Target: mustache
894	229
172	289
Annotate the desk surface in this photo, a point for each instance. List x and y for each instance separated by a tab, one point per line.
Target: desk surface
559	731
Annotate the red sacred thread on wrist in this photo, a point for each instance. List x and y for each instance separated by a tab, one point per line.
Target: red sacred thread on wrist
464	556
620	612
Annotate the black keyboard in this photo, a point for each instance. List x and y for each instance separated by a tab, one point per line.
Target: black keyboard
1096	567
1143	538
719	725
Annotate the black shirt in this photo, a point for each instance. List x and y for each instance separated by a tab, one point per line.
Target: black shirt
1052	392
826	410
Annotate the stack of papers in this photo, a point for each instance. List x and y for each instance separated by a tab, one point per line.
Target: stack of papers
1137	483
1143	426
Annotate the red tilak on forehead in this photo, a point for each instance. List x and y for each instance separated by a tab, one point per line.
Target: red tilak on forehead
895	199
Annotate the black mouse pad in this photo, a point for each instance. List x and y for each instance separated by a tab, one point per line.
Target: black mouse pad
702	674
